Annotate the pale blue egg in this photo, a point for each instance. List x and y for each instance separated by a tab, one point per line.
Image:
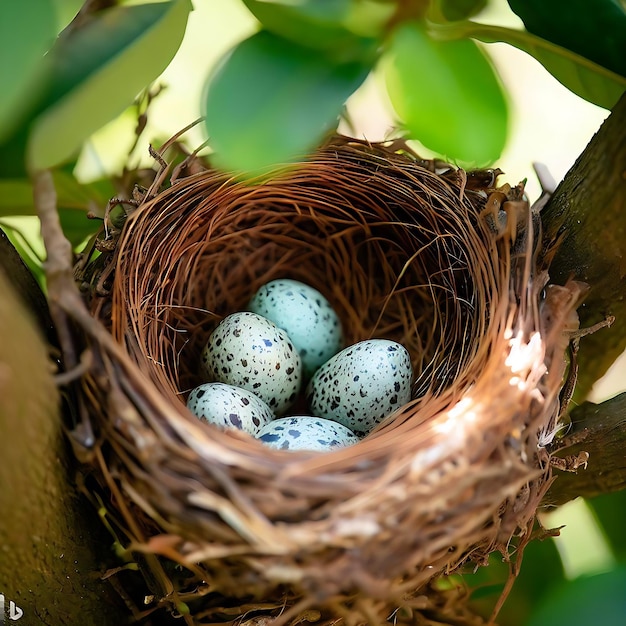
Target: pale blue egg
249	351
227	406
362	384
305	315
305	432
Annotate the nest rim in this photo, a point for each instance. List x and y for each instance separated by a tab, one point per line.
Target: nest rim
256	533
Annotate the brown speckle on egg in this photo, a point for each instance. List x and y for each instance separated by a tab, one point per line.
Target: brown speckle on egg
249	351
362	384
226	406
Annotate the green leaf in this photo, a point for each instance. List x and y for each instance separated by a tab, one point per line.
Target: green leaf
447	95
327	12
27	29
586	79
317	24
28	255
74	201
454	10
369	18
594	30
99	70
590	600
66	11
16	196
271	101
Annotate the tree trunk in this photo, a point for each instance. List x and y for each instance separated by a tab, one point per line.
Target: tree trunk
588	214
51	540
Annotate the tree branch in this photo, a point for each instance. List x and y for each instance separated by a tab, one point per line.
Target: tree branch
600	430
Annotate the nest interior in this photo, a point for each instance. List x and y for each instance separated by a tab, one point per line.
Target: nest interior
441	261
392	253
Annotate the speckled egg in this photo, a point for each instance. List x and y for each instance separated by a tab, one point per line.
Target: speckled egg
304	432
362	384
229	407
305	315
247	350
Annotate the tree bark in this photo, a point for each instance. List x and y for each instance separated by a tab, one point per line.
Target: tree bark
599	430
51	542
26	287
587	213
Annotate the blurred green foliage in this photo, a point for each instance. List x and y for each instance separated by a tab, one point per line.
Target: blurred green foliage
455	10
544	594
91	72
295	100
443	89
69	85
98	70
275	96
610	511
585	78
459	89
540	571
316	24
594	30
26	33
598	599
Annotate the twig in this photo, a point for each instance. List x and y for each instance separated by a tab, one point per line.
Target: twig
58	268
58	263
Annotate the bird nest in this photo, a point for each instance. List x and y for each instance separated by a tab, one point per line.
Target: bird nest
225	529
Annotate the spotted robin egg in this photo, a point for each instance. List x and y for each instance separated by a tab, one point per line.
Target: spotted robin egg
305	315
362	384
229	407
247	350
304	432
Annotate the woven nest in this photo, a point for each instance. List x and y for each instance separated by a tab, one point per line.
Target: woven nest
433	257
